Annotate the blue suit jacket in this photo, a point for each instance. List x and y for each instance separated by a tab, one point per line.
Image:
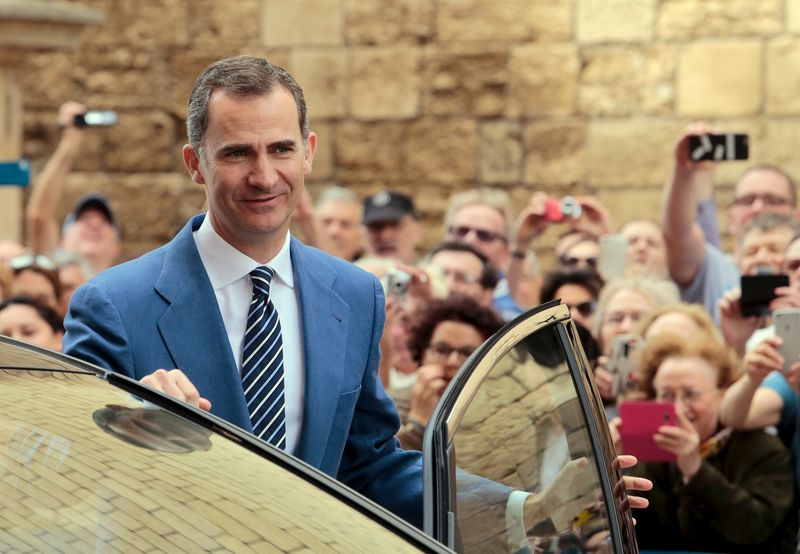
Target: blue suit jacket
160	311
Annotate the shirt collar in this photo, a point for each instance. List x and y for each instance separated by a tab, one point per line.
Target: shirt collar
225	264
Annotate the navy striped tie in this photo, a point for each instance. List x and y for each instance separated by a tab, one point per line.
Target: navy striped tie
262	363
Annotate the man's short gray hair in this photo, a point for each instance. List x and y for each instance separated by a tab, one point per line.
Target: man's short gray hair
335	193
244	76
492	197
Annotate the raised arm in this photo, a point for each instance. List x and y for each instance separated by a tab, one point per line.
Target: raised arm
684	238
48	189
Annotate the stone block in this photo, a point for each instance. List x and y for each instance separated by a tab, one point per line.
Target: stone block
141	141
720	78
375	22
792	16
658	89
47	79
183	69
506	21
384	83
690	19
542	80
368	151
322	73
500	152
610	80
783	79
627	204
323	159
442	150
148	25
779	146
224	23
615	20
302	23
554	152
464	79
630	152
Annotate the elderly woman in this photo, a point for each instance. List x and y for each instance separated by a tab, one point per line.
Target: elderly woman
621	306
442	336
728	491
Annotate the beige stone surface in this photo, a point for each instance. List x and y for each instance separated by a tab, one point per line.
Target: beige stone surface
380	22
690	19
302	23
366	151
542	80
500	152
323	74
720	78
632	203
615	20
792	16
384	83
464	79
141	141
323	159
658	88
506	21
631	153
151	24
554	152
610	80
442	150
224	23
779	145
47	79
783	79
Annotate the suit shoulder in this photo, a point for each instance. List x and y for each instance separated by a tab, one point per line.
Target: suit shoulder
141	271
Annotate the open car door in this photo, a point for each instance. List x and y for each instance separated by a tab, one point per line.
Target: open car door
518	456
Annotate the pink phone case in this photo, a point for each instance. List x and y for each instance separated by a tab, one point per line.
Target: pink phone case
640	421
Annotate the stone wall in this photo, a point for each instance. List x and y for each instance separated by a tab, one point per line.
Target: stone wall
433	96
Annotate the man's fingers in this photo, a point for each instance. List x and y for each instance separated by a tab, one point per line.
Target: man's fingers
175	383
638	502
636	483
624	461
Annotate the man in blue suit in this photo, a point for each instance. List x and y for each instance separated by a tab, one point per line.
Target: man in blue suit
187	304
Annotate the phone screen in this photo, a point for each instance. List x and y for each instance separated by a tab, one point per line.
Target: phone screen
758	291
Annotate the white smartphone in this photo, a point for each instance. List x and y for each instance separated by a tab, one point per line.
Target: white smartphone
613	256
787	327
623	362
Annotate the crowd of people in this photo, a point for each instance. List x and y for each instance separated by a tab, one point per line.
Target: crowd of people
674	294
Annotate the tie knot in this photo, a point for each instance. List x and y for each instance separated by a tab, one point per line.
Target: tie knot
261	278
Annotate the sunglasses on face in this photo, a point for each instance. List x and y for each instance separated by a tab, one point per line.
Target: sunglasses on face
461	231
766	199
572	261
584	308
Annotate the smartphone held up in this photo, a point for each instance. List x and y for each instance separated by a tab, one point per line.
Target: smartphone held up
719	147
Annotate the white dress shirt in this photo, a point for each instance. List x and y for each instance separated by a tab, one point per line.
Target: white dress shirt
229	272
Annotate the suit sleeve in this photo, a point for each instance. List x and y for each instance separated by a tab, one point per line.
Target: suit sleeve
95	332
373	462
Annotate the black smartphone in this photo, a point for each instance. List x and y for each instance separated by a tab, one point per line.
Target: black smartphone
758	291
719	148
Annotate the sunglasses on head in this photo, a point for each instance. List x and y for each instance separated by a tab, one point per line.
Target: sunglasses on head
18	263
792	265
461	231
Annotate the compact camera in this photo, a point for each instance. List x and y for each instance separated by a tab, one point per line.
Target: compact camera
556	211
95	119
395	282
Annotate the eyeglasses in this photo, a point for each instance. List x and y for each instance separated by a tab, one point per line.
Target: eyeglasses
461	231
688	396
442	351
618	318
572	261
584	308
792	265
18	263
766	199
460	276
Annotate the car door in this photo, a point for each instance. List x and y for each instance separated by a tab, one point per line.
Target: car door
518	457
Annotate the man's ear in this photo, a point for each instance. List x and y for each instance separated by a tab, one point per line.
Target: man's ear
308	152
191	159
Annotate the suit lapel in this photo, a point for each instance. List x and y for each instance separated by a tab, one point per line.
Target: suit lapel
193	330
325	319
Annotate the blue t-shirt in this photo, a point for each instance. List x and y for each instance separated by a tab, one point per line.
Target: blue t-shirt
788	426
716	275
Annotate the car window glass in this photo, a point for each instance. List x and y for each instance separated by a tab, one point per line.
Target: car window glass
527	475
86	467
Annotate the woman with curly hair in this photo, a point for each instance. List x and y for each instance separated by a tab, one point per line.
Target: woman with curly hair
442	336
727	491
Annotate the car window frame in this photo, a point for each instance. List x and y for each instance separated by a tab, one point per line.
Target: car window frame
217	425
439	476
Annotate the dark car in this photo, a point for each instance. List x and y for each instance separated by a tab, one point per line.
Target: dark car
517	459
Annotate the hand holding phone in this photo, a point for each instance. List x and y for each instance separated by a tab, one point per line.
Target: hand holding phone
640	420
719	148
758	291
